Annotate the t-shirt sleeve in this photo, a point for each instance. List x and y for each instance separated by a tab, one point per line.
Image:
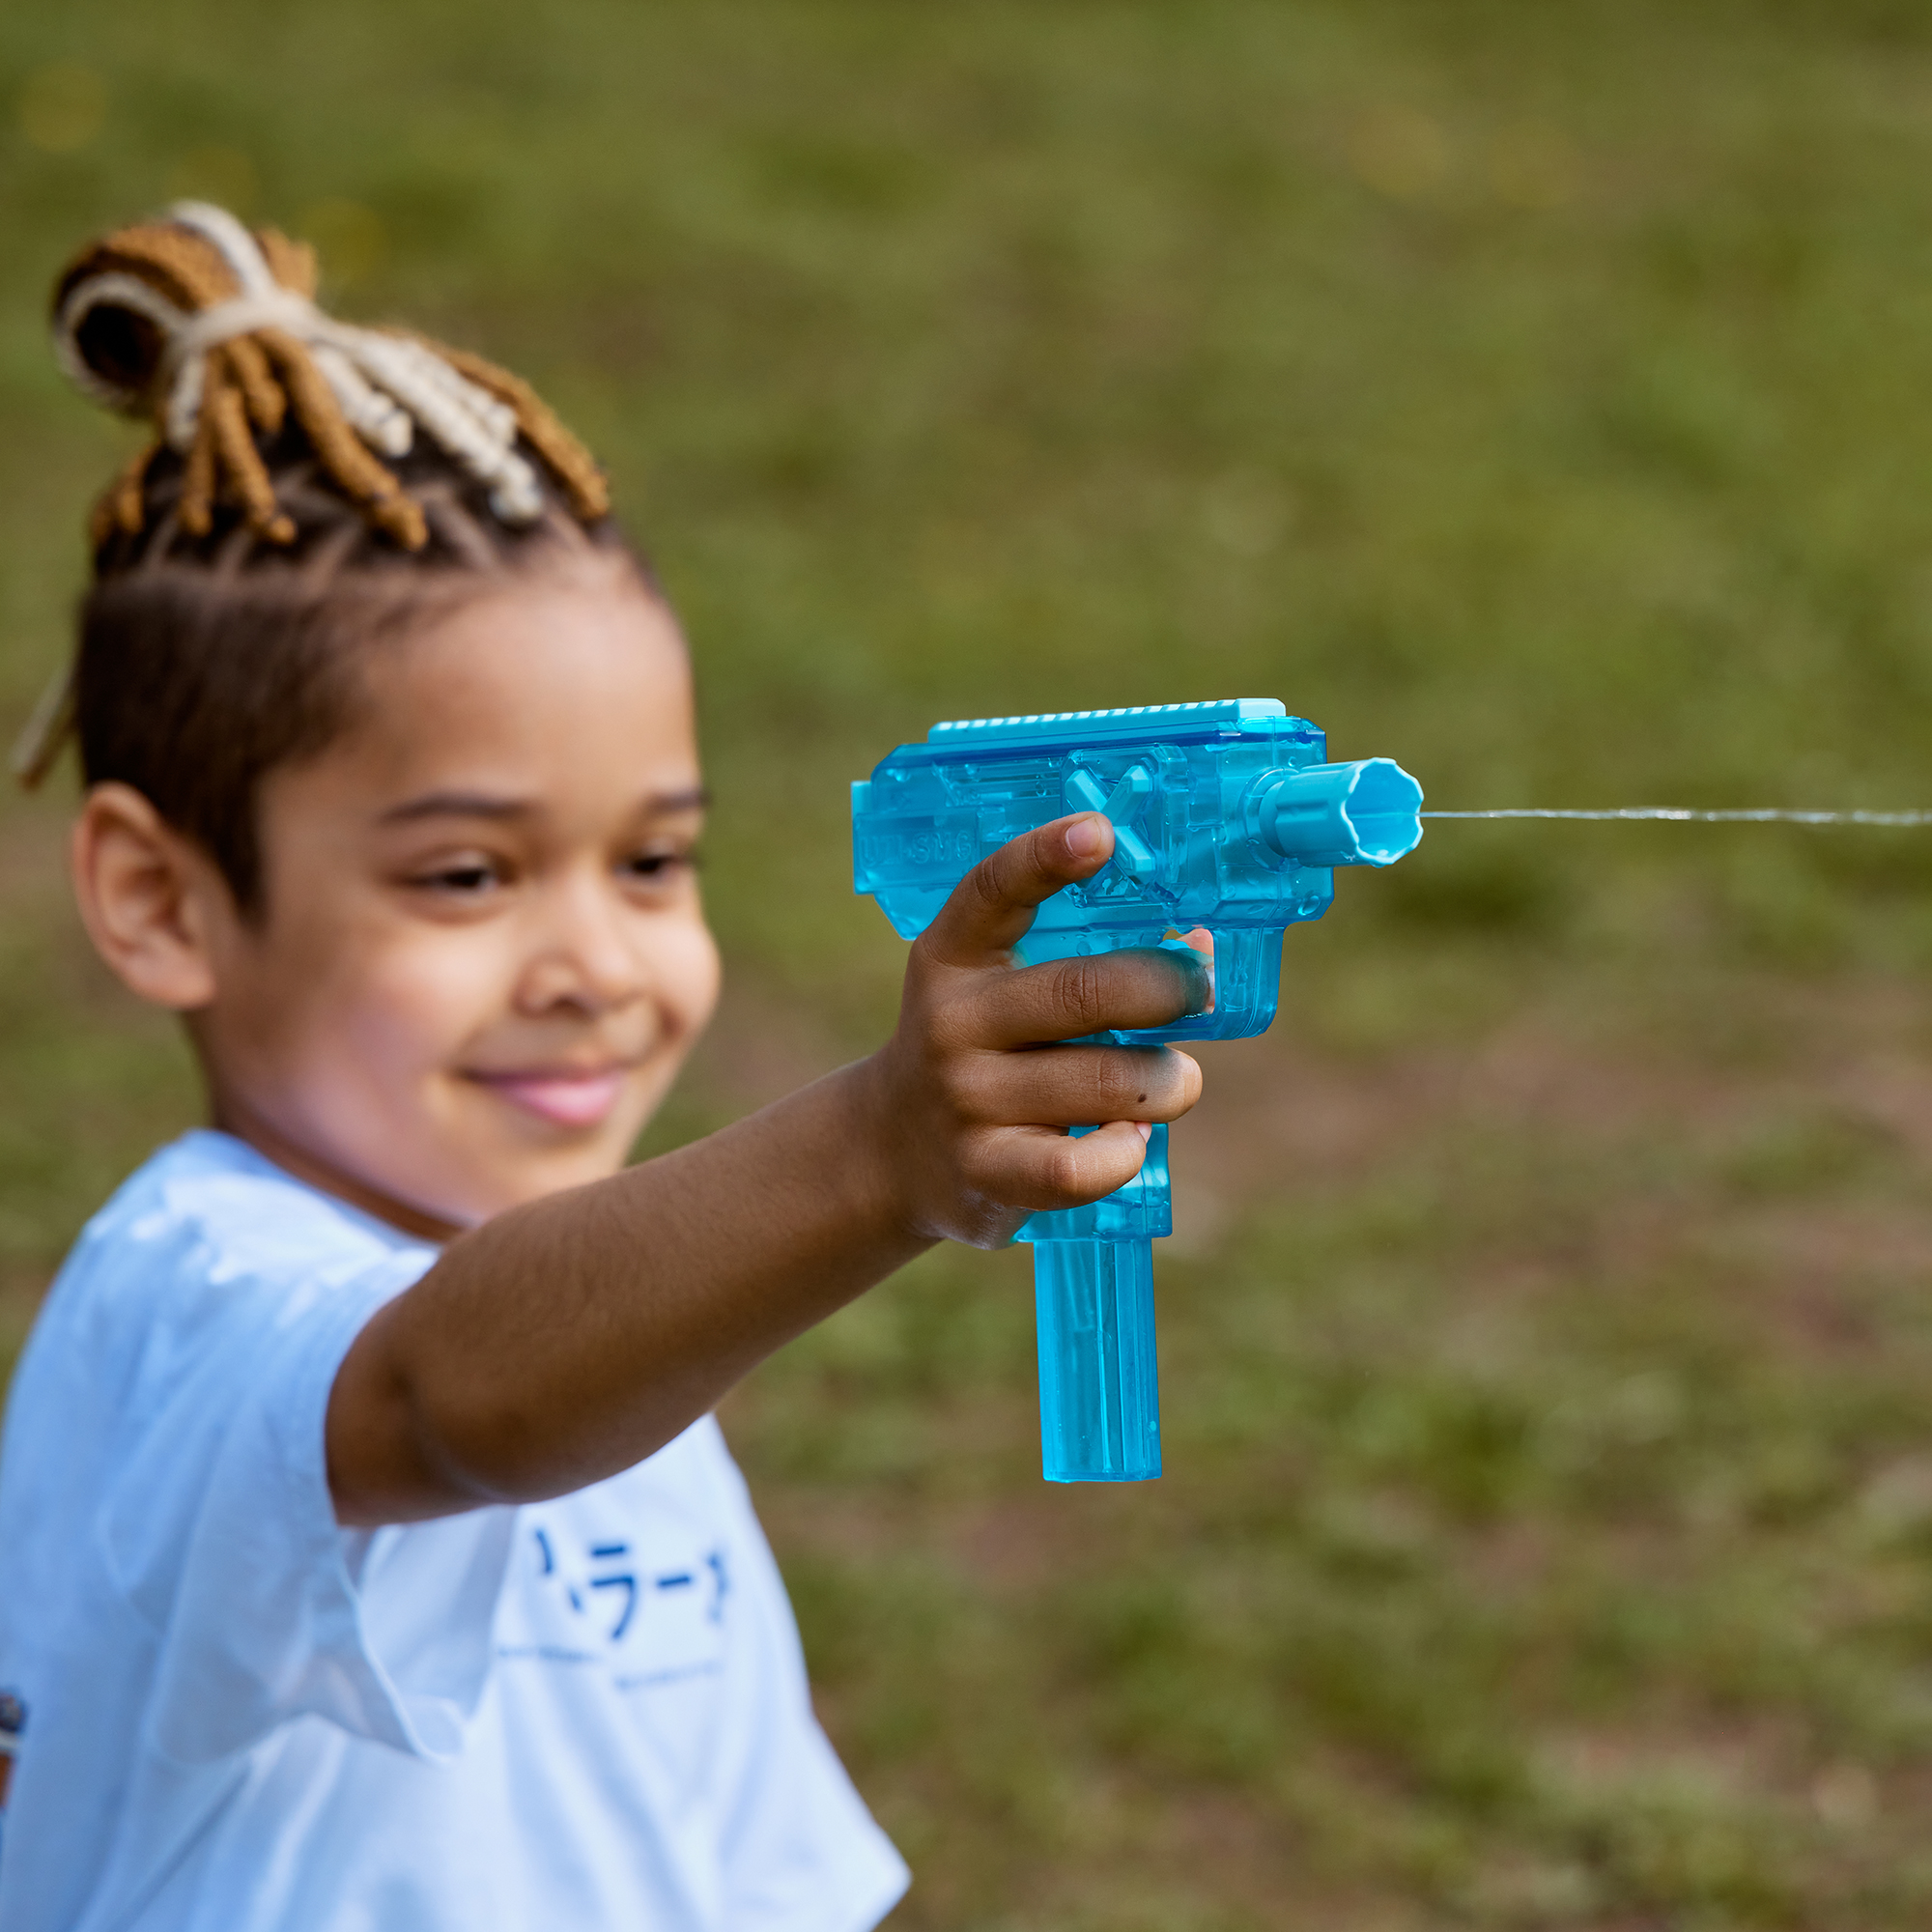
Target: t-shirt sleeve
221	1534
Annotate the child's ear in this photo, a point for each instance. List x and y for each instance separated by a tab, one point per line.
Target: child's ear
145	893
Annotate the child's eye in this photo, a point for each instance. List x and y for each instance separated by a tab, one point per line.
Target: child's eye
658	868
466	878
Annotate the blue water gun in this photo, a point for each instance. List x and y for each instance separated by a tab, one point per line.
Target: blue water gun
1226	816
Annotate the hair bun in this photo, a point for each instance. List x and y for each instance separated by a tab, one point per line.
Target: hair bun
126	298
214	334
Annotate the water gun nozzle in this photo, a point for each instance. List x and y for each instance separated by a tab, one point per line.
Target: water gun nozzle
1366	813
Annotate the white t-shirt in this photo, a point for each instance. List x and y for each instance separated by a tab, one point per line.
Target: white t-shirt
585	1714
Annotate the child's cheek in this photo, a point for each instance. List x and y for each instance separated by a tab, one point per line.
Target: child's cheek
694	976
427	994
387	1039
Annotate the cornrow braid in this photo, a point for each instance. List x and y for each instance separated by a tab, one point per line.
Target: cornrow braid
206	661
312	491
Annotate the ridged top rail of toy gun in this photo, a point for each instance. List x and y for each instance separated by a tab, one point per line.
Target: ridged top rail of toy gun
1208	718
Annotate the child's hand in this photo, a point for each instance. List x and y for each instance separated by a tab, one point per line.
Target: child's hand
974	1110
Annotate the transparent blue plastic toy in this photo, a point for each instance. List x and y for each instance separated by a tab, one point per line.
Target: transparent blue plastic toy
1225	818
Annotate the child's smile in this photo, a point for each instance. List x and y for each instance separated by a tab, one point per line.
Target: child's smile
571	1096
483	956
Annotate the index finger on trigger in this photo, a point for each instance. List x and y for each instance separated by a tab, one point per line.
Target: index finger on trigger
992	907
1068	999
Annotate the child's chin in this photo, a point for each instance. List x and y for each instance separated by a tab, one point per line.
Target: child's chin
541	1163
513	1156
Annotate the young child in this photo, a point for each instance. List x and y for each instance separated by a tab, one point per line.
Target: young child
368	1556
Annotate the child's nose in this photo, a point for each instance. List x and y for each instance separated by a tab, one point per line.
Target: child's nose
585	956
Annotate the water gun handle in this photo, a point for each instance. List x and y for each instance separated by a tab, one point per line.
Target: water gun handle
1099	1396
1092	1286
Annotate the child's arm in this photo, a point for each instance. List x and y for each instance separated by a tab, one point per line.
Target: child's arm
567	1340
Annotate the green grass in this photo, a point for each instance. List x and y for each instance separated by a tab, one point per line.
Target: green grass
1544	1540
1536	394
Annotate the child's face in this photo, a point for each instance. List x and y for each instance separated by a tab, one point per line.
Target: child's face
484	958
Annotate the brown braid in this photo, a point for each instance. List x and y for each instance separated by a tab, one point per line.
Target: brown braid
292	263
197	496
358	474
235	449
119	508
185	267
574	465
267	375
268	406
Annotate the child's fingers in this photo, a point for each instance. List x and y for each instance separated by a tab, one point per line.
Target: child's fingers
1065	999
993	905
1038	1168
1075	1086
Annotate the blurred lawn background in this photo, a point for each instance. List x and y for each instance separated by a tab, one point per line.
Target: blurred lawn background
1537	394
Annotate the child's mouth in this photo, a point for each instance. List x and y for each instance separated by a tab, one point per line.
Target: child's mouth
569	1100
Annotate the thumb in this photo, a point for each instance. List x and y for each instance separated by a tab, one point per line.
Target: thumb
993	905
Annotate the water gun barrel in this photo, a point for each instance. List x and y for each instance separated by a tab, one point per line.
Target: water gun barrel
1366	812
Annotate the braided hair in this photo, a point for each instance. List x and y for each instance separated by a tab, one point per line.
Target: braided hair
312	490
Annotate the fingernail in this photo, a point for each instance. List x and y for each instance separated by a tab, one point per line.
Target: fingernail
1146	1129
1083	837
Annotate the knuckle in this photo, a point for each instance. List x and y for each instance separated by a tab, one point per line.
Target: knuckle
979	1167
1079	994
1066	1172
996	1173
948	1031
987	884
962	1085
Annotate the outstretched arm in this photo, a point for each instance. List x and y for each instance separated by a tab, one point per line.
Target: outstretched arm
566	1340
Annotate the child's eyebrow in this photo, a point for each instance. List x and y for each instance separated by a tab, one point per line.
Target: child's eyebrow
492	804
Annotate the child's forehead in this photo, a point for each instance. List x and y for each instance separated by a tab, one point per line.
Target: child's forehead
582	687
537	649
533	624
